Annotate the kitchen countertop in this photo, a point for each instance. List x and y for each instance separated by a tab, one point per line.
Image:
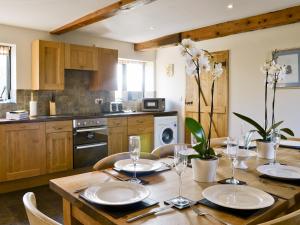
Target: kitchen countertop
82	116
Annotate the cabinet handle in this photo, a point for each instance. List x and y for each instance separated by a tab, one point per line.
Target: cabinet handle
58	128
117	124
140	121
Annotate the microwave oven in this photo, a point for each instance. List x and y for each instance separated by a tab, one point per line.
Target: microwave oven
153	105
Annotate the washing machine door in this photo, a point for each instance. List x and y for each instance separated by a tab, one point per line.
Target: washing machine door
167	136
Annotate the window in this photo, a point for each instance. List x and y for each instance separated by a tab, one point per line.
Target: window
5	73
135	80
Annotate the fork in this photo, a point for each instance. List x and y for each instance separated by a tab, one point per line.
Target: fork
200	213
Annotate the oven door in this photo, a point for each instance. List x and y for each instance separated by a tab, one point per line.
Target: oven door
90	145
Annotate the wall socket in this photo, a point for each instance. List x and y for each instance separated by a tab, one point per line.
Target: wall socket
98	101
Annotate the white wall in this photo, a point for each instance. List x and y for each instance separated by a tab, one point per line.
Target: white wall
248	51
22	38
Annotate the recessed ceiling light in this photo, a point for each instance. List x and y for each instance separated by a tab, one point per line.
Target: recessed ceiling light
151	28
230	6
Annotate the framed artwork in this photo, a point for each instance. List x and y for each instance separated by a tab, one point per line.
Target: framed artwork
290	58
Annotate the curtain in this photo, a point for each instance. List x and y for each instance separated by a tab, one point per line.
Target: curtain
4	50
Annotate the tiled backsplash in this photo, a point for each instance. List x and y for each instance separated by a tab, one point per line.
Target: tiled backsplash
74	99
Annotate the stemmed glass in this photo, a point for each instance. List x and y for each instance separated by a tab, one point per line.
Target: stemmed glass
135	150
180	161
231	151
275	138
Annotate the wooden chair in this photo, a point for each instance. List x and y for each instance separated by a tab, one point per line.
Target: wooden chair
217	142
289	219
36	217
165	150
109	161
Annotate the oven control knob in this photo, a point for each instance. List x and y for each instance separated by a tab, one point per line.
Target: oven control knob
98	121
84	123
78	124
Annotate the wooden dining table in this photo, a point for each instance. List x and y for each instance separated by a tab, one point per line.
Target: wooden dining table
164	186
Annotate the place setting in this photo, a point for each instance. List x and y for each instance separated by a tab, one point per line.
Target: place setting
275	170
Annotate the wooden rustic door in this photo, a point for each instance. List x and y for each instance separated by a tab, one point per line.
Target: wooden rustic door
220	118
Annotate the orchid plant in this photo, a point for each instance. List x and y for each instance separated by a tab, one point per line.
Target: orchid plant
197	61
273	72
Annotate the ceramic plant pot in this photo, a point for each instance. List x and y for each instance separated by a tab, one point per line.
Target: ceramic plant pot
204	170
265	150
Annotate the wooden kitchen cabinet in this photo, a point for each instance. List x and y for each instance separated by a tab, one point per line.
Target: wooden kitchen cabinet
59	145
22	150
117	135
80	57
105	78
142	126
47	65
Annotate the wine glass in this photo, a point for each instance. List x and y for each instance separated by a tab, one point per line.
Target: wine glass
135	150
275	138
231	151
180	161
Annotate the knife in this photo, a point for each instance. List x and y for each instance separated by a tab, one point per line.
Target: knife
152	212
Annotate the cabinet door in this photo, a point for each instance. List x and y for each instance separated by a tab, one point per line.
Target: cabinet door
47	65
117	140
23	151
106	76
81	57
59	151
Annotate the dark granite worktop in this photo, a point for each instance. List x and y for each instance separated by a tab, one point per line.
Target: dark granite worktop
71	117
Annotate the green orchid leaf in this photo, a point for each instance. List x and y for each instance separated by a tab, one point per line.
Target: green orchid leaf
200	148
211	152
275	125
260	130
287	131
194	157
196	129
283	137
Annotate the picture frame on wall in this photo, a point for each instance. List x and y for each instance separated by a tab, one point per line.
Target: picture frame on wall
290	58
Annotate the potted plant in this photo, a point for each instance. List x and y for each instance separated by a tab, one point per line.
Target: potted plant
205	162
273	73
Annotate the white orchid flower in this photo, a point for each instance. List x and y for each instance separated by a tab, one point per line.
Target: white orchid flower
204	63
196	53
217	71
188	43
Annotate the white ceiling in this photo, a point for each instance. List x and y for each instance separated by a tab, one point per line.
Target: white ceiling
164	16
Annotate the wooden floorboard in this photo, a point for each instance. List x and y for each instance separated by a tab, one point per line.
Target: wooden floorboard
12	211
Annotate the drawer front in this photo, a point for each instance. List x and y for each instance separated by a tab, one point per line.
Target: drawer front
22	126
58	126
140	125
140	129
117	122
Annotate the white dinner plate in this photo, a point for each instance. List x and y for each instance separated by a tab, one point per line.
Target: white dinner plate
241	145
116	193
280	171
142	165
290	144
238	196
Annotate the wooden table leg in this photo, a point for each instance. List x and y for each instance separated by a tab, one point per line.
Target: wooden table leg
67	211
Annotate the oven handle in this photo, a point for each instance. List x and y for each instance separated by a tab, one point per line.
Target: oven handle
90	146
91	129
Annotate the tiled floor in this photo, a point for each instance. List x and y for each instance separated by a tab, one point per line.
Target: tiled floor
12	211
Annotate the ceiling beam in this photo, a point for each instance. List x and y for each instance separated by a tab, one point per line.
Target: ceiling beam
262	21
156	43
93	17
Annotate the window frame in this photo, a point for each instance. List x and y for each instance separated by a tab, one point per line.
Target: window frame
8	75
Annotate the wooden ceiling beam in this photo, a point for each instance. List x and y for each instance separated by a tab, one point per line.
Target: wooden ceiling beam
267	20
159	42
93	17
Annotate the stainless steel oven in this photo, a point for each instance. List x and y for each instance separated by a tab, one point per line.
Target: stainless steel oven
90	141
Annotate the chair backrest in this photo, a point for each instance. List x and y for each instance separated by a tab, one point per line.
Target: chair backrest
109	161
36	217
289	219
165	150
218	142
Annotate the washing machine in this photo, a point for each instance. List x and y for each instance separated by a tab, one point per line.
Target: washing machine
165	130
